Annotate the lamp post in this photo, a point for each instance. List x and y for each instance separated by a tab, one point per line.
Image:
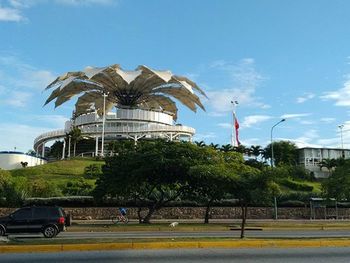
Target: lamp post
341	138
103	123
341	134
272	164
272	157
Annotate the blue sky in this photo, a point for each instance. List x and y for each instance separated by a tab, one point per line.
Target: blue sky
279	59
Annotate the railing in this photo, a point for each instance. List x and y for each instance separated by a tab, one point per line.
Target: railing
92	130
127	114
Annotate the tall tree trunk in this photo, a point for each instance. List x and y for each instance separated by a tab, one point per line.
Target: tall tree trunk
207	212
151	210
244	217
75	146
139	214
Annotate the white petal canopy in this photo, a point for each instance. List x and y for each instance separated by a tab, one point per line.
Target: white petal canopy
143	88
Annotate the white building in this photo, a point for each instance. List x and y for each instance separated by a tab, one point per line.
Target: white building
311	158
132	124
14	160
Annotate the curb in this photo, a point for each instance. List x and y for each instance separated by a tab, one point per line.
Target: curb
295	243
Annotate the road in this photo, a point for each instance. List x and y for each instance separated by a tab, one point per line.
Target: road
315	255
175	234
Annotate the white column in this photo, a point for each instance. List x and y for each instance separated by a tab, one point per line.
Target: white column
63	149
43	150
69	143
103	124
96	146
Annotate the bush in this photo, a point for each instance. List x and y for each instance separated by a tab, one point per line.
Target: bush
291	203
296	186
77	188
93	171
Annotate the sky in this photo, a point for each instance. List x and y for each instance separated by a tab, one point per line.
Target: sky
279	59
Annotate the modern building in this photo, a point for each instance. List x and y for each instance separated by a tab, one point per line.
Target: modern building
134	124
13	160
310	158
117	104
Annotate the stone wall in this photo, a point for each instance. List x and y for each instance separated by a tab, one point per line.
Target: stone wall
199	212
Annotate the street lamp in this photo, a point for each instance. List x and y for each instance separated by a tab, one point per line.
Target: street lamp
272	157
341	138
103	123
341	134
272	164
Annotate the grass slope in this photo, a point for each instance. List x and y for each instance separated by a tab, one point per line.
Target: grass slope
58	171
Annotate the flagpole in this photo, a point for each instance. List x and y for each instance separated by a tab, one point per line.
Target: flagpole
233	139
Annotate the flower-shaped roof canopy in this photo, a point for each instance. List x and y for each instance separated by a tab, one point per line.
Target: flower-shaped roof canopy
143	88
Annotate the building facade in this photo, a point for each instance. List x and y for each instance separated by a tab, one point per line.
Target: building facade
310	158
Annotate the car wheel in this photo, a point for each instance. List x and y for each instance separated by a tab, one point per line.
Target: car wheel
50	231
2	231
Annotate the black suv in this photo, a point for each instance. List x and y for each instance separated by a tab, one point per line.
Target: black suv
36	219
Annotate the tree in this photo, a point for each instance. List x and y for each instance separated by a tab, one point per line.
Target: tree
251	188
153	173
214	146
211	182
255	150
285	152
56	149
328	163
75	135
337	185
226	148
200	144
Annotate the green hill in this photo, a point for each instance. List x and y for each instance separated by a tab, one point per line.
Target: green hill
58	172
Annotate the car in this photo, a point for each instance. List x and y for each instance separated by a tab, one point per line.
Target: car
49	220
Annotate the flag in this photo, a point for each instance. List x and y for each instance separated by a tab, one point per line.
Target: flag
236	129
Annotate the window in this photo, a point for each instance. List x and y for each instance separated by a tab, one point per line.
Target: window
39	213
54	212
22	214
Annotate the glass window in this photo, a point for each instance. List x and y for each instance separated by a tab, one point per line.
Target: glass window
39	213
54	212
24	213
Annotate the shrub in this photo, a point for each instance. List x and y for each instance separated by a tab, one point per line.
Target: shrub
297	186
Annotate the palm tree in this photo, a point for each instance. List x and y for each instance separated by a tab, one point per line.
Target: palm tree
214	146
226	148
256	150
200	144
328	163
75	135
143	88
240	148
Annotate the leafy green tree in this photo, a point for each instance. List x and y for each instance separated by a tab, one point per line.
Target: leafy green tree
92	171
256	150
56	150
208	184
285	152
153	174
214	146
338	184
329	164
77	188
200	144
226	148
251	188
75	135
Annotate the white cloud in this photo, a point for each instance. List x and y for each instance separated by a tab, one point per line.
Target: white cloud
204	136
18	99
225	125
10	14
327	120
57	121
249	121
86	2
19	136
341	96
244	81
17	74
295	115
305	97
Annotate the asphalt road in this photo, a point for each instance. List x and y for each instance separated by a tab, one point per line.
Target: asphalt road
315	255
175	234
